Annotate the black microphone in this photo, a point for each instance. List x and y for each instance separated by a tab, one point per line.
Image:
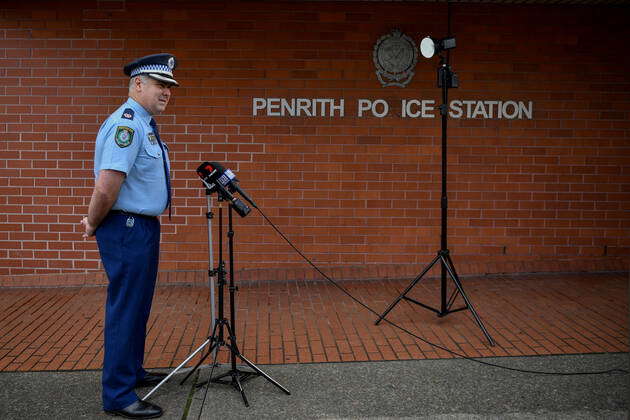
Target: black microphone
227	178
208	174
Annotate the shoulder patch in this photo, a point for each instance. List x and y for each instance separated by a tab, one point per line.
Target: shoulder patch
128	114
123	136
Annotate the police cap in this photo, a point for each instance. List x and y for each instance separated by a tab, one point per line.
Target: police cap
157	66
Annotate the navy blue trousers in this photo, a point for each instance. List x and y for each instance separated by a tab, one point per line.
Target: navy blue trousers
129	248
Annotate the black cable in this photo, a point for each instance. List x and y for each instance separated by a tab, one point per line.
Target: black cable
621	371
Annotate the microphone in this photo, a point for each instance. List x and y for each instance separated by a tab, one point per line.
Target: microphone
227	178
208	174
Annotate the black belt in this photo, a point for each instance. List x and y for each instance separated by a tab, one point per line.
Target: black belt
126	213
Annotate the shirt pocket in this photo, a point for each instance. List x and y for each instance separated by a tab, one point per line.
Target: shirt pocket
151	151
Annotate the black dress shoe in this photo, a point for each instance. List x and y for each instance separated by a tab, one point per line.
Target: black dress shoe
138	410
151	379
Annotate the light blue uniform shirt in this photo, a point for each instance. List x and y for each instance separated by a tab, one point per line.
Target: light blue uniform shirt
126	143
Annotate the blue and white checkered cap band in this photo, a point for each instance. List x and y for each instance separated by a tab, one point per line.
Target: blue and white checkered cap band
152	68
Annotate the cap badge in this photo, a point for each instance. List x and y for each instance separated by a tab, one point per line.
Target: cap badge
171	63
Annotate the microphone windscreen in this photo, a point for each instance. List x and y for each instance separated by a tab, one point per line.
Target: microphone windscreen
218	166
205	169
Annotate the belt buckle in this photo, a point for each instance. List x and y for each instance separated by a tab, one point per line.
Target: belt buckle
130	221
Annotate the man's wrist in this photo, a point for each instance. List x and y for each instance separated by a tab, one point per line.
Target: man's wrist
91	223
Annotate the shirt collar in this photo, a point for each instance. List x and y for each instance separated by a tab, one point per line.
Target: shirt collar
139	110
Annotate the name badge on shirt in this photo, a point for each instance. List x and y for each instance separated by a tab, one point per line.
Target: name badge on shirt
152	138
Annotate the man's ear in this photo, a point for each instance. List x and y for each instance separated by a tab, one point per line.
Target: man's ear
137	84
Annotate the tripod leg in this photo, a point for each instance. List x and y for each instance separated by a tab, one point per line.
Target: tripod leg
205	343
205	356
448	263
411	285
236	353
207	383
212	339
236	381
263	374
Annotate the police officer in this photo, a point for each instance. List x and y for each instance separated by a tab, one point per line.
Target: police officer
132	188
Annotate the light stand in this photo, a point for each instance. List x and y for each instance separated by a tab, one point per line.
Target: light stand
235	376
446	80
211	274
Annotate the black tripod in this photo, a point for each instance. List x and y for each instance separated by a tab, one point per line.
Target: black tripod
235	376
446	79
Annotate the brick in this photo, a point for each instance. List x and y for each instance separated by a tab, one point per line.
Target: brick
328	172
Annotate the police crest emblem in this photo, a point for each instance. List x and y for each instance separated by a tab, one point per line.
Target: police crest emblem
395	56
123	136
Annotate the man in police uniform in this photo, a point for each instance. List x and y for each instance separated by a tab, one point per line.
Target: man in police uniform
132	188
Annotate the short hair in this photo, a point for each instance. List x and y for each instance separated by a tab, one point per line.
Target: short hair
143	77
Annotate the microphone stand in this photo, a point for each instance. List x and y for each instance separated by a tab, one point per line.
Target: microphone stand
219	324
445	80
235	376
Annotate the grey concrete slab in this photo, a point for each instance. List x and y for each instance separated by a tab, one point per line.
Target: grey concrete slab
71	395
431	389
418	389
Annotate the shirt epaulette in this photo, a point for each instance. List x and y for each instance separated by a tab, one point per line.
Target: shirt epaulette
128	113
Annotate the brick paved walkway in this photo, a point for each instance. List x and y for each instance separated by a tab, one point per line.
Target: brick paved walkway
301	322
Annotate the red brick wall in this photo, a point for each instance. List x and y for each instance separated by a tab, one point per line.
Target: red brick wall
547	193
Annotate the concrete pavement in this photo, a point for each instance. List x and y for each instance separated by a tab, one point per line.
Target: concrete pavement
419	389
